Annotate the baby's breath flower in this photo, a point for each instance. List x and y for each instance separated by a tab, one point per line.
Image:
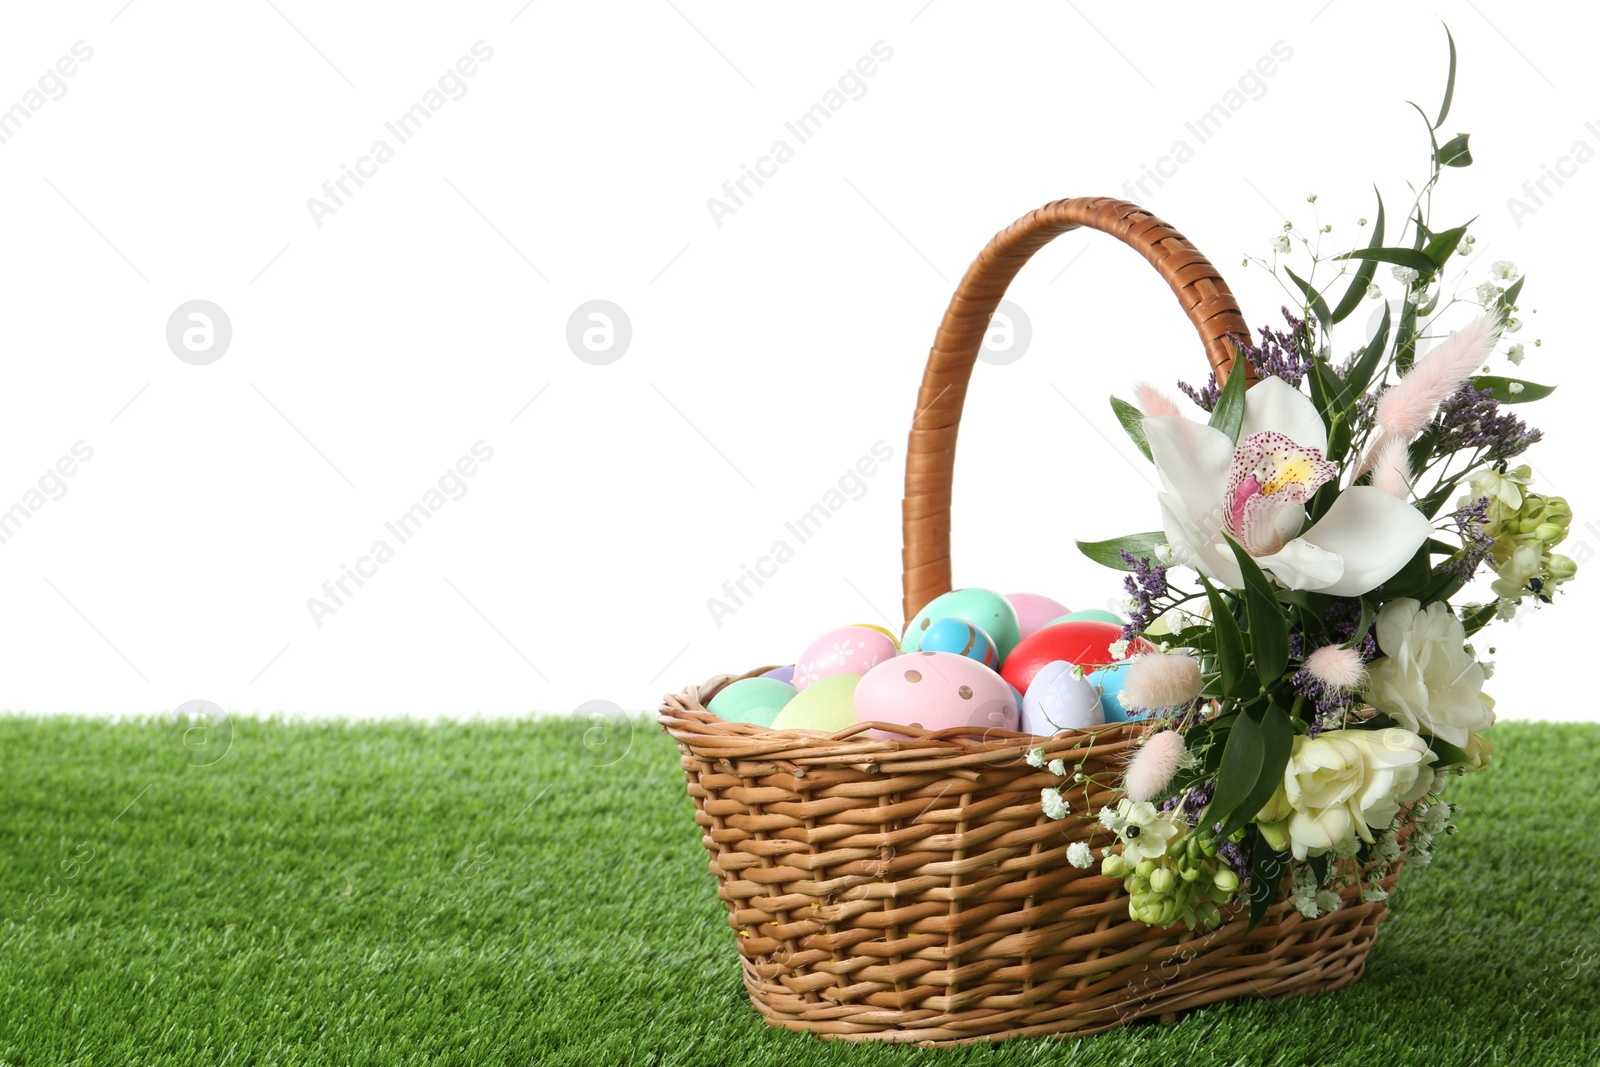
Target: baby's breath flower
1406	275
1111	819
1328	900
1054	805
1280	243
1373	292
1374	893
1035	757
1514	388
1513	324
1078	855
1515	354
1488	293
1058	767
1504	270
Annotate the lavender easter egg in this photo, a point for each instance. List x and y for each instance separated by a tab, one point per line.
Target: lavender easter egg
982	607
782	674
1034	612
752	700
962	638
936	691
1057	699
847	650
827	705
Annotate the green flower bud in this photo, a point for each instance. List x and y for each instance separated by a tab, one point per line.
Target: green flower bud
1114	866
1190	873
1226	880
1561	567
1146	868
1162	880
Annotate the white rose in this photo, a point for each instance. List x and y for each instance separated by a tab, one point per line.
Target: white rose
1322	776
1395	762
1426	680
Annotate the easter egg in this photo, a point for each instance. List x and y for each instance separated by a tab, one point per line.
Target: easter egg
1085	643
752	700
1107	681
984	608
827	705
782	674
1059	700
1034	612
1089	615
884	630
847	650
962	638
935	691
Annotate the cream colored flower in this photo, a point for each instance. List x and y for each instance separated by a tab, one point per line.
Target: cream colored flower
1145	834
1426	680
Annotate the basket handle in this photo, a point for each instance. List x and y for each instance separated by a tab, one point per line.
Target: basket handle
931	452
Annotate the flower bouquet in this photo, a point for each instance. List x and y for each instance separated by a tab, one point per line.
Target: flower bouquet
1313	687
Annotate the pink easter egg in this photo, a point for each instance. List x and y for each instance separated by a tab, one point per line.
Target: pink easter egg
1034	611
847	650
935	691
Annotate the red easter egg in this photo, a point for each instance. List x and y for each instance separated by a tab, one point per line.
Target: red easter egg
1082	641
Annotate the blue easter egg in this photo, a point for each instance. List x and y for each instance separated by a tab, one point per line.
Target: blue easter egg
1090	615
1108	682
962	638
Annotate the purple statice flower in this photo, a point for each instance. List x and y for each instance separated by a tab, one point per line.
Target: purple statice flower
1476	545
1236	856
1282	354
1471	418
1330	704
1146	585
1192	801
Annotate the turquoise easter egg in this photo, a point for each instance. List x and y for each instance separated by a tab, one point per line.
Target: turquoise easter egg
752	700
962	638
984	608
1091	615
1107	681
828	704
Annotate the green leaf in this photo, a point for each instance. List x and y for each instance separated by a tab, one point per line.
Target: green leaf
1319	867
1269	626
1240	771
1501	388
1455	153
1108	554
1402	257
1508	299
1366	365
1443	245
1228	415
1449	755
1267	868
1319	307
1358	284
1230	643
1434	142
1405	346
1132	420
1277	741
1449	81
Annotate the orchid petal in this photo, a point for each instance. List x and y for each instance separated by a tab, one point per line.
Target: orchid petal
1195	547
1302	565
1373	533
1273	404
1193	461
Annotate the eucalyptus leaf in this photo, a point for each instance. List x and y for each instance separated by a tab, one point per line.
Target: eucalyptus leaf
1443	245
1455	153
1401	257
1132	420
1277	742
1228	415
1267	868
1502	391
1269	626
1108	553
1449	82
1364	273
1319	307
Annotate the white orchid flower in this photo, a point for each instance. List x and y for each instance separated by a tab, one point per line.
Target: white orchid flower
1256	494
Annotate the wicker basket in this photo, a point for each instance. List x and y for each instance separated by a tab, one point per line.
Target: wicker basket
912	890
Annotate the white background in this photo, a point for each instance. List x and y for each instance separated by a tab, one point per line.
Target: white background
768	353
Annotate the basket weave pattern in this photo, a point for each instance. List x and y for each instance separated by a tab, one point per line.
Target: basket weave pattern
912	890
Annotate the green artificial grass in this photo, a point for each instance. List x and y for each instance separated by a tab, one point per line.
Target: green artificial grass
536	892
